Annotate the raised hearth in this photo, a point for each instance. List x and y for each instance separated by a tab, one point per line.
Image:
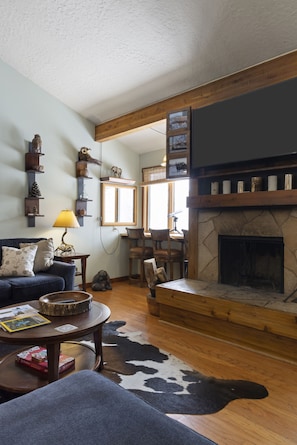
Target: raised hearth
252	318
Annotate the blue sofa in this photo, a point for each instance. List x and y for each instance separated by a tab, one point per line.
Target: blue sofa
58	277
85	408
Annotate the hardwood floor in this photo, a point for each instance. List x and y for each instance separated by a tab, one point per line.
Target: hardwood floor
269	421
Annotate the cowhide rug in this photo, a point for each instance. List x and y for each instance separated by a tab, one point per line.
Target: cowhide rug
163	380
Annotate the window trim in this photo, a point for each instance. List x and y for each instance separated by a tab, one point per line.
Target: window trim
145	191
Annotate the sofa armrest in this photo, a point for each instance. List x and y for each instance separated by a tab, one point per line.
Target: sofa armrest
87	408
64	270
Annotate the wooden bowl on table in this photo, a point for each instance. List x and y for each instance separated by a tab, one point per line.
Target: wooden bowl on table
65	303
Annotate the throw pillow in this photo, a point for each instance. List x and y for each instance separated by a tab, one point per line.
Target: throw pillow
18	262
45	254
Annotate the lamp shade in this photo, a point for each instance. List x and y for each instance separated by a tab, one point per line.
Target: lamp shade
66	219
164	160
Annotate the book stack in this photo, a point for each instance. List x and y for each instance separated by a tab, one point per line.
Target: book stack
35	358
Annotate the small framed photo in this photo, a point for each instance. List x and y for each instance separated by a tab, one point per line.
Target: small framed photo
178	120
178	142
178	167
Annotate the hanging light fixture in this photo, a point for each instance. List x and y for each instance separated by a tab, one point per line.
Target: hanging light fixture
164	161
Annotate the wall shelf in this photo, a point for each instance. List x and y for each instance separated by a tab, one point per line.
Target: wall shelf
32	167
81	203
115	180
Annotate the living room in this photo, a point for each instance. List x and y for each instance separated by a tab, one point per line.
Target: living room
27	109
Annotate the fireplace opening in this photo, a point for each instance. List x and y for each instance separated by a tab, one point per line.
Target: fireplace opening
256	262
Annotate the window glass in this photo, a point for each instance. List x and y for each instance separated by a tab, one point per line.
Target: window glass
164	199
158	206
181	191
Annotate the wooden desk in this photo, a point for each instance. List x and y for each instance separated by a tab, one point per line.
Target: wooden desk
69	257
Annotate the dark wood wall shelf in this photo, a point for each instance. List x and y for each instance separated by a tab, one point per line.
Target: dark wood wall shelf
32	167
81	203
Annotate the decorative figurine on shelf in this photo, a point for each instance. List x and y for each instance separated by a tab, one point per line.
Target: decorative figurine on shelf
84	155
38	168
36	144
35	192
116	171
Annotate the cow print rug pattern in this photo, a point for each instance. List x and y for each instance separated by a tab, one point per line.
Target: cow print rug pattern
163	380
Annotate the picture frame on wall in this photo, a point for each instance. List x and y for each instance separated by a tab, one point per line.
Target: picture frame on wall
178	142
178	120
178	167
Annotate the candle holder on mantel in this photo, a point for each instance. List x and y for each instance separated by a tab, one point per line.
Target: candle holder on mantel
256	184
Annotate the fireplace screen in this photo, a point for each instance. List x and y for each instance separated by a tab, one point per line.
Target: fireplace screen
252	261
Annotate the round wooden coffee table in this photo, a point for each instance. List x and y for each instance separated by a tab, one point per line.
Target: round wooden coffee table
14	378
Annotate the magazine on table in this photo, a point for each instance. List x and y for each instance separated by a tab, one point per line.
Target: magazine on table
16	311
22	322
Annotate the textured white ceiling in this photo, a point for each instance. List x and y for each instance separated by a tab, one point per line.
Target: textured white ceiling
105	58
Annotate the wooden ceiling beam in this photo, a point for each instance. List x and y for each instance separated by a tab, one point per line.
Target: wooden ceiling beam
264	74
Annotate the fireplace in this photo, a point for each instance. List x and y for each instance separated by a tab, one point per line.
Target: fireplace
254	261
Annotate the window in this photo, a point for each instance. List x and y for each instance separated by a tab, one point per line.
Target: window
162	198
118	205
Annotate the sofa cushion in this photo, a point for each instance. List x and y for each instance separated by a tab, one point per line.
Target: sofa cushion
18	262
86	408
32	288
15	242
5	292
45	254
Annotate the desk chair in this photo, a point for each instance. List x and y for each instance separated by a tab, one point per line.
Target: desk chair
186	251
164	253
138	251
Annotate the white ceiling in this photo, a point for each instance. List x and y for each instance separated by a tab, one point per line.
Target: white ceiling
105	58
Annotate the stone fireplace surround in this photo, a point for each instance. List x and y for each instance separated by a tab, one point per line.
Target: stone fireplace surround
274	222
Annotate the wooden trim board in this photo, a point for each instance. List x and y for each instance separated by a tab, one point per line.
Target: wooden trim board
272	331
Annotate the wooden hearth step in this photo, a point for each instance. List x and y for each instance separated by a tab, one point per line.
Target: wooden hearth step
245	316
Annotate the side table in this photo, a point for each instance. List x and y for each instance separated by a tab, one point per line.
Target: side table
70	257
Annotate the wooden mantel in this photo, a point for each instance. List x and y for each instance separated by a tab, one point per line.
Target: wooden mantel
264	74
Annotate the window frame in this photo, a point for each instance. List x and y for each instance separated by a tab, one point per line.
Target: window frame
157	171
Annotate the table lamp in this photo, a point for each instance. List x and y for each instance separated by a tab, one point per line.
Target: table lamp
66	219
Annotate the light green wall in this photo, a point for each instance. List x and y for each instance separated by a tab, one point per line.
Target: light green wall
152	158
25	110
